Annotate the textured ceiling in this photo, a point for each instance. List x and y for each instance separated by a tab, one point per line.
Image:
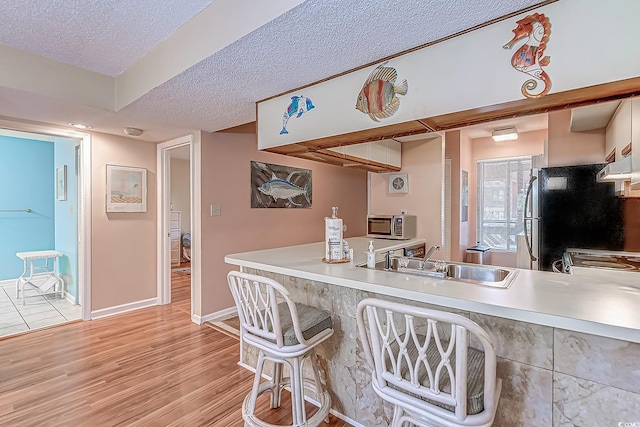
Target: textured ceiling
312	41
105	36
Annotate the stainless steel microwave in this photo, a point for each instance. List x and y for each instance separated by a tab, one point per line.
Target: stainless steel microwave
391	226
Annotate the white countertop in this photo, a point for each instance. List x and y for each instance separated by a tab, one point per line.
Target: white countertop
605	303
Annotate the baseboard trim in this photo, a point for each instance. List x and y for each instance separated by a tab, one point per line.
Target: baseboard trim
218	315
118	309
70	298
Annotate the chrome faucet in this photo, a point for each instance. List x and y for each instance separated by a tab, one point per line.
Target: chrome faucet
387	261
430	252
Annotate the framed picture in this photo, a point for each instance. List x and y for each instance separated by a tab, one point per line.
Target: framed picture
126	189
398	183
61	182
277	186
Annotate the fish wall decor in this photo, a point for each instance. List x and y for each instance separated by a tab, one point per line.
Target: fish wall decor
379	95
297	107
276	186
529	58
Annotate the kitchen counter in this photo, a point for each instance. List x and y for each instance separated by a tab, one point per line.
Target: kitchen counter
564	343
605	303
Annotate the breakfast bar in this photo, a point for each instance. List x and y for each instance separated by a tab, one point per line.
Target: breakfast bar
568	346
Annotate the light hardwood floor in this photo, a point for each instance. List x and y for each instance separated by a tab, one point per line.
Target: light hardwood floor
150	367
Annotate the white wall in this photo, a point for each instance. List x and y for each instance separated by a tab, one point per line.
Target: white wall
180	187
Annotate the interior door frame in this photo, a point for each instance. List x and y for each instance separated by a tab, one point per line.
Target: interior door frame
84	218
164	207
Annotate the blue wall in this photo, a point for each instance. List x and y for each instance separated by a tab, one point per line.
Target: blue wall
66	216
26	181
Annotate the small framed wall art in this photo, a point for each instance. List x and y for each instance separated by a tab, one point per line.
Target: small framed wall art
126	189
61	183
398	183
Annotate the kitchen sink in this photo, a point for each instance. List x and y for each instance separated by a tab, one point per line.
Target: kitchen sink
485	275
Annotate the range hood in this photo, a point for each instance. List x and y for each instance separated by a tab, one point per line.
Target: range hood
616	171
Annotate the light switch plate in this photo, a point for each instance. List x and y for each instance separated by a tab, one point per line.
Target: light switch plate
216	210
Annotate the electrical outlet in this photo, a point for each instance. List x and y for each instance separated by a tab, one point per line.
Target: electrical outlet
403	211
216	210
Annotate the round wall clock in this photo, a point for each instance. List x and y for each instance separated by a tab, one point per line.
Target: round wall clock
398	183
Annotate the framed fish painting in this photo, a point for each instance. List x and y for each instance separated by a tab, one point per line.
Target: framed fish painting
277	186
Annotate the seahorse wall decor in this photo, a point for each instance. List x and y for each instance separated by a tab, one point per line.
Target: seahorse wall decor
530	57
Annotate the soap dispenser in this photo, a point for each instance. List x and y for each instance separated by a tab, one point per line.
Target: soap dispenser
333	236
371	256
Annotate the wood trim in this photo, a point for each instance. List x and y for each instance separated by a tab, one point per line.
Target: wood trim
626	150
375	134
422	46
555	101
629	191
611	157
360	163
337	159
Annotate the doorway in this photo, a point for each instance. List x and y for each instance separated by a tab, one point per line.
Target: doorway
180	226
42	212
175	219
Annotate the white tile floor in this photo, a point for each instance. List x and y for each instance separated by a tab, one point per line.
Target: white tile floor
40	311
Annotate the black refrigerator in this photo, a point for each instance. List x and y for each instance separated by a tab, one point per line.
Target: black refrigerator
568	208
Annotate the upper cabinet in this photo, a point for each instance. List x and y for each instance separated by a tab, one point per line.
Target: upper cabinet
623	139
384	155
376	156
618	137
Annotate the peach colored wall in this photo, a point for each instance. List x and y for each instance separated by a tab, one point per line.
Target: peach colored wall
123	245
567	148
422	160
225	180
527	144
452	151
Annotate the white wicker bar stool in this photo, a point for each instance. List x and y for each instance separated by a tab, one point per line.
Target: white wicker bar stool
428	371
285	333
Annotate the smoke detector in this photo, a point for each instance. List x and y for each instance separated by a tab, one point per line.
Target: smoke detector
133	131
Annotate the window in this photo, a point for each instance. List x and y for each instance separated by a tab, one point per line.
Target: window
502	187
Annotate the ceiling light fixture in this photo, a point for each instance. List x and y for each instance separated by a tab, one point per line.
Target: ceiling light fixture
79	125
133	131
506	134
